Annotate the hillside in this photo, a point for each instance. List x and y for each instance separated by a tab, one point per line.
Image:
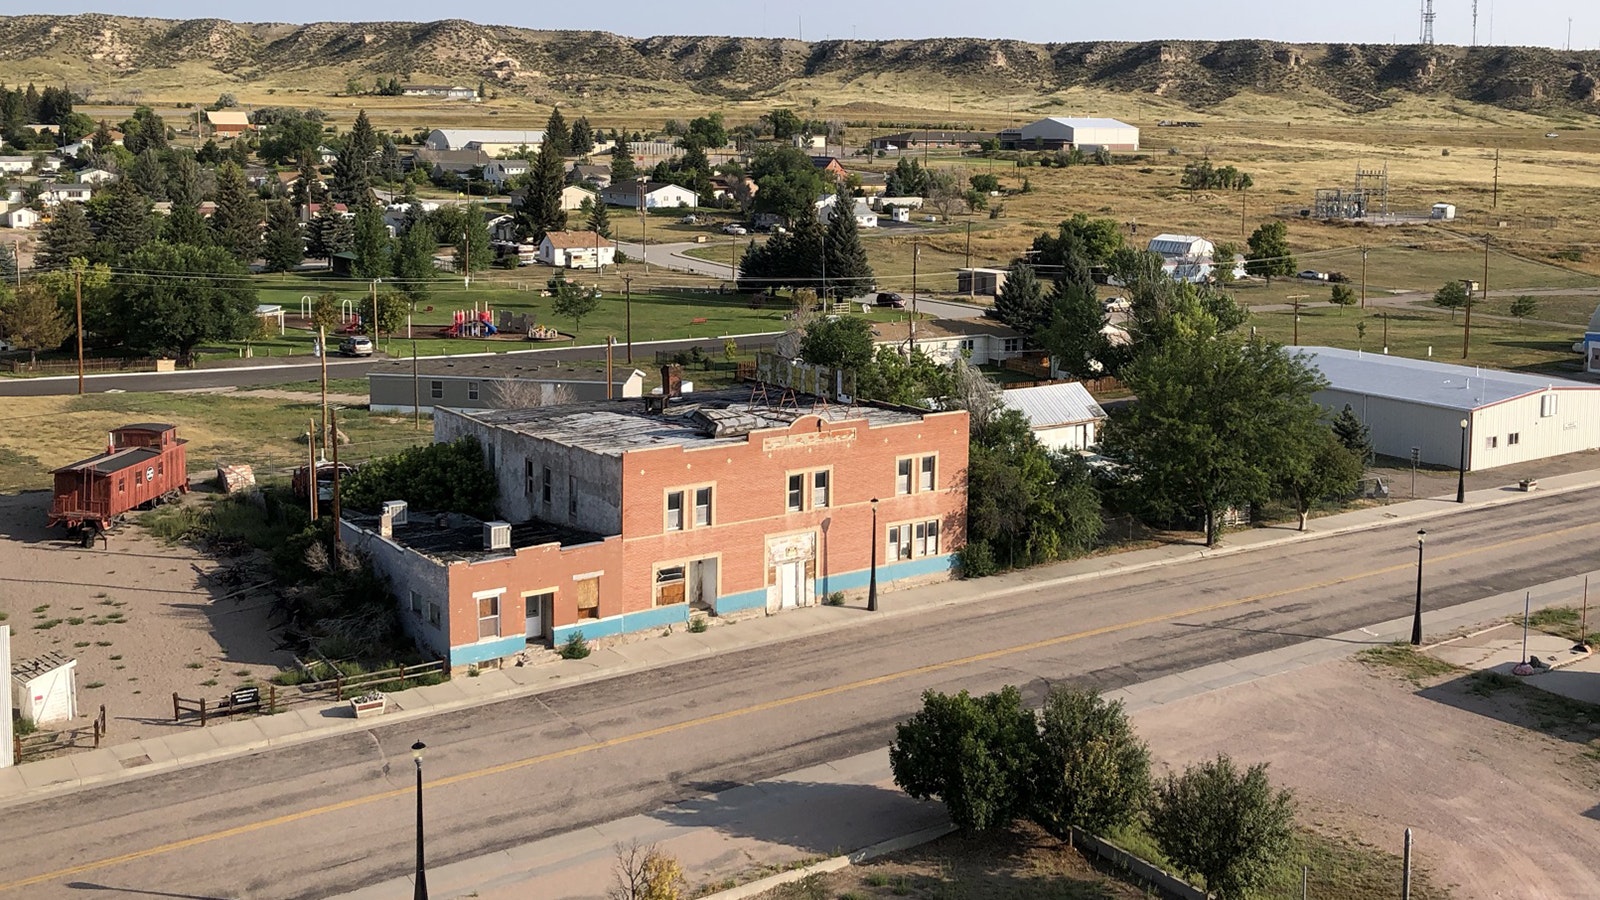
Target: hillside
108	53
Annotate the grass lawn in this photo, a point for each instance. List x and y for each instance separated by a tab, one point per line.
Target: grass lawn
1573	309
49	432
1504	345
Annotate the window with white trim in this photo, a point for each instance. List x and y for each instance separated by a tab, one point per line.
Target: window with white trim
796	495
1513	439
926	481
902	476
1547	405
819	489
436	390
675	510
1491	442
1012	345
472	390
489	616
546	485
702	506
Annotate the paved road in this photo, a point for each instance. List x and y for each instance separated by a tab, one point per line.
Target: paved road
317	819
275	373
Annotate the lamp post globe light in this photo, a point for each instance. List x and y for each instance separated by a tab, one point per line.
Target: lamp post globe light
421	892
872	578
1461	468
1416	619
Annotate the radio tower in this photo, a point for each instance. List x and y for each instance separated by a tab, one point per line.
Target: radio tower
1474	23
1427	23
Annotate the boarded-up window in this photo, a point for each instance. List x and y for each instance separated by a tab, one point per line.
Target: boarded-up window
589	598
669	586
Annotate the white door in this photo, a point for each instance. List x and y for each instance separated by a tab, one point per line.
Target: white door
534	613
790	575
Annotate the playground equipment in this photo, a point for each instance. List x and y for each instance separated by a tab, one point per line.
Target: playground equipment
474	323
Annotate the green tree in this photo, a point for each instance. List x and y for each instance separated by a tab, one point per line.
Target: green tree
784	123
67	235
788	180
984	182
841	343
974	754
149	174
144	130
393	307
441	477
285	246
123	220
907	379
572	300
353	168
371	244
325	311
472	252
1352	434
1320	468
582	137
1094	772
556	134
598	217
1025	505
1217	423
32	319
1074	338
1096	239
1222	262
1343	296
185	225
709	131
623	168
1269	252
237	220
849	273
1524	306
1229	827
1021	302
540	212
329	233
176	297
1452	296
413	262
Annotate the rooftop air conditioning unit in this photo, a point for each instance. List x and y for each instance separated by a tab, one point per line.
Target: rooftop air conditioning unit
497	535
395	510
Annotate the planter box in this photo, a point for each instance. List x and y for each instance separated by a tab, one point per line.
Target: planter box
1529	484
371	705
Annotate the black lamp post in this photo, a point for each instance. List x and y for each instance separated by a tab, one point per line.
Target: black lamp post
1461	468
421	892
1416	619
872	579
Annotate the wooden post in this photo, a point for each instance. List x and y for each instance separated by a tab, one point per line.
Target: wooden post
311	457
1363	277
272	698
202	712
333	419
1294	301
627	303
611	342
911	322
175	709
77	289
416	389
322	337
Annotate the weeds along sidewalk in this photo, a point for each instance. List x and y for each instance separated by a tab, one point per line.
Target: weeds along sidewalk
160	754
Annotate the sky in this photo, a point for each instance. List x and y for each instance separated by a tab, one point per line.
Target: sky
1526	22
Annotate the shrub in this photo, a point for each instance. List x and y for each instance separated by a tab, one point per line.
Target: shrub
834	599
977	560
449	477
1229	827
976	755
575	647
646	873
1094	772
697	625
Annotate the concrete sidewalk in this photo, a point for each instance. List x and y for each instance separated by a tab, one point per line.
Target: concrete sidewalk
309	723
836	808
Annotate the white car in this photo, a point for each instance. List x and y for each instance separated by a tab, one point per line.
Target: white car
1312	275
1551	134
733	229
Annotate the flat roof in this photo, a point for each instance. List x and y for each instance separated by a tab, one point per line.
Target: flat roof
1426	381
453	537
942	329
109	463
502	365
614	427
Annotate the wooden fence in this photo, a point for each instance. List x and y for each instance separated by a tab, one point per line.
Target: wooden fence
25	747
70	366
273	697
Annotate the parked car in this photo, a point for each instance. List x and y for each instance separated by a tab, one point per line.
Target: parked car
734	228
690	219
1119	304
1312	275
355	346
889	299
1551	134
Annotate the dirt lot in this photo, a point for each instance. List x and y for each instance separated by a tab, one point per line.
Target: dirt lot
1498	787
143	619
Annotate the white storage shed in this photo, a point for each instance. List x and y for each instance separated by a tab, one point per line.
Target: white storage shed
1511	417
45	689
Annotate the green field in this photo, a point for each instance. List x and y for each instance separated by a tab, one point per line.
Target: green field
1502	344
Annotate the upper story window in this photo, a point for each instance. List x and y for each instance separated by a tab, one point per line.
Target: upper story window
702	506
675	511
796	495
926	481
902	476
819	488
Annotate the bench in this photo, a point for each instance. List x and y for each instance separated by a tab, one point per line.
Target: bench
698	321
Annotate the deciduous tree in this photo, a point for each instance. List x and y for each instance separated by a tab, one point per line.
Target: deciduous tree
1452	296
176	297
1320	468
1269	252
32	319
1094	772
841	343
574	301
974	754
1229	827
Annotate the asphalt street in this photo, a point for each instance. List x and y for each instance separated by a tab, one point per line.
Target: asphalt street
320	818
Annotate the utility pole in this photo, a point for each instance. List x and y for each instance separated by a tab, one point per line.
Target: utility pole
311	459
466	259
1466	334
77	289
1363	276
1294	301
416	389
972	282
333	420
911	323
322	341
627	306
374	313
1495	202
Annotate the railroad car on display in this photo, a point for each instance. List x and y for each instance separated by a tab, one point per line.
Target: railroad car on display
143	466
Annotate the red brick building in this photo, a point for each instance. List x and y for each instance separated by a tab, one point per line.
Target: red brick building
631	517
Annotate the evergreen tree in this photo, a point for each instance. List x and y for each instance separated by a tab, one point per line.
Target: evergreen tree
849	273
186	226
144	130
300	194
472	245
149	174
102	137
186	183
599	217
1355	436
237	220
622	165
352	171
556	134
370	243
541	212
328	233
1021	302
123	221
285	246
582	137
389	161
68	235
413	261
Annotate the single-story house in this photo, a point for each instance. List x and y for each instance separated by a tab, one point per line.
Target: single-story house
576	250
573	195
596	176
493	141
457	162
1063	416
981	341
1457	415
96	176
394	215
987	282
498	381
312	210
20	217
829	167
16	165
1184	257
499	172
865	217
228	122
53	192
441	91
1061	132
656	195
809	141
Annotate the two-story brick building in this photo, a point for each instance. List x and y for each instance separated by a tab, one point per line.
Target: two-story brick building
634	518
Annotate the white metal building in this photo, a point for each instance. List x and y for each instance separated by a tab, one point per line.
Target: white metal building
1059	132
492	141
1511	417
1064	417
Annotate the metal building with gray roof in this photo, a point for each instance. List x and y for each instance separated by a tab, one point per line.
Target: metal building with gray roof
1501	418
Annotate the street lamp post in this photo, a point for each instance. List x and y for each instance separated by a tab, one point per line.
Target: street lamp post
1461	468
421	892
1416	619
872	579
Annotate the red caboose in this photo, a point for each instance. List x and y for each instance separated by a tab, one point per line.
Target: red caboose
144	465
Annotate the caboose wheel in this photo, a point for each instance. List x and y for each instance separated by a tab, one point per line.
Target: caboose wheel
88	538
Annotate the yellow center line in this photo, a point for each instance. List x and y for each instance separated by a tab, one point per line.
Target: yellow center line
753	709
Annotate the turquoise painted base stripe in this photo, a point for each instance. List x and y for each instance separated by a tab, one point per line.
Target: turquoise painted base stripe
659	617
892	572
484	651
739	602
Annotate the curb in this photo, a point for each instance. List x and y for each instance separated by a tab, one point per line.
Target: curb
597	674
892	845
